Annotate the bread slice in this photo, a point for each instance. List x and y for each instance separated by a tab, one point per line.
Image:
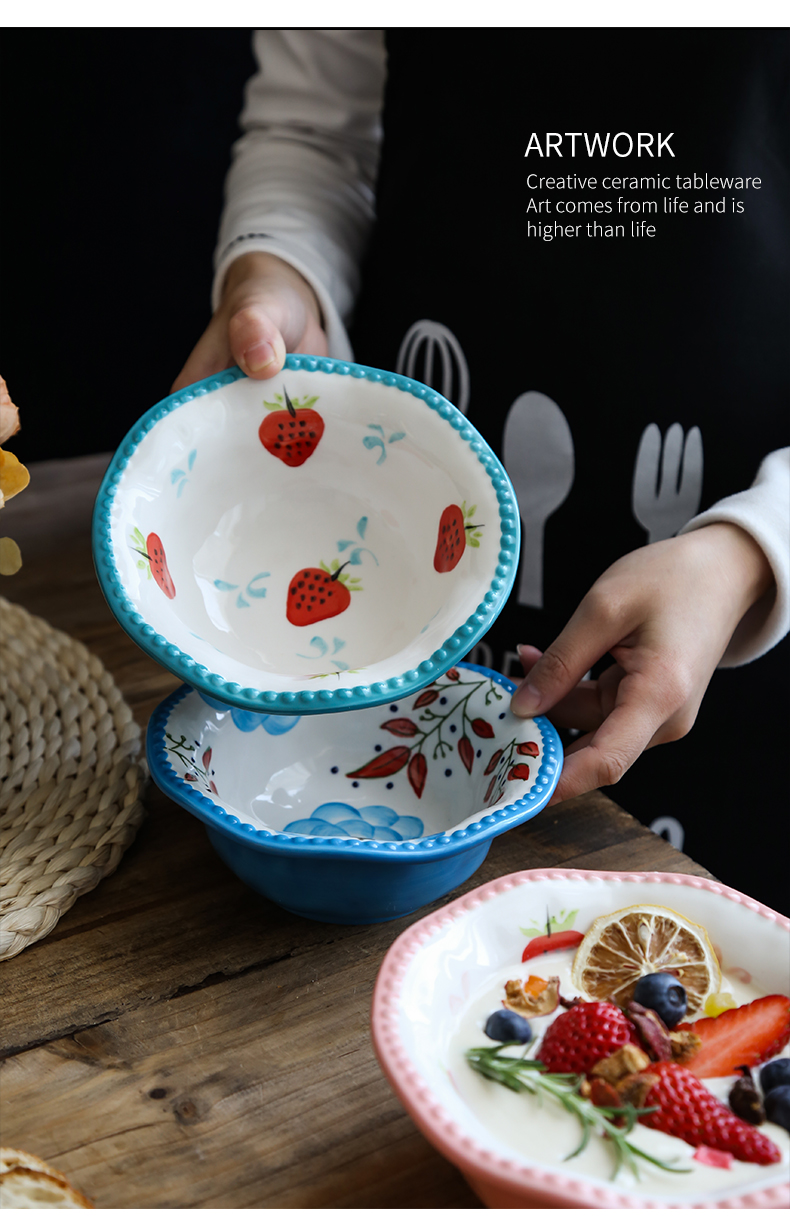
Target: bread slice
27	1182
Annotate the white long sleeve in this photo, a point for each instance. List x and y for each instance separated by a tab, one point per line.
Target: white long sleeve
763	510
302	181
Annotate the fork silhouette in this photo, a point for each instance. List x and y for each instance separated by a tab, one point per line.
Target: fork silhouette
667	483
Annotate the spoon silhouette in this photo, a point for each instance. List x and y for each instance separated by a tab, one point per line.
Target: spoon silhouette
538	457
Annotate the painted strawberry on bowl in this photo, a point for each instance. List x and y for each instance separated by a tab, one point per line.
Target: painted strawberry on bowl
328	540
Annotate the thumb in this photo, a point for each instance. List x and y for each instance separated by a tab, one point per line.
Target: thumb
562	665
255	342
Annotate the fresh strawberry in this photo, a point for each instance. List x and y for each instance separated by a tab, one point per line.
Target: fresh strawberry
747	1035
158	564
316	594
454	534
686	1109
584	1035
291	434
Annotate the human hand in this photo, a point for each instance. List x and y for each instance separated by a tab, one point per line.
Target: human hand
267	309
666	614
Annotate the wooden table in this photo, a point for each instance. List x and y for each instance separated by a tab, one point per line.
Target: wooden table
178	1041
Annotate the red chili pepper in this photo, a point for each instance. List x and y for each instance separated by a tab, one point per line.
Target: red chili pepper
567	940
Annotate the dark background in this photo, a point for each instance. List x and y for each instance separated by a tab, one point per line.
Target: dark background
115	144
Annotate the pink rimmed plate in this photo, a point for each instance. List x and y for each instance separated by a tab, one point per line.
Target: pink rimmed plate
444	974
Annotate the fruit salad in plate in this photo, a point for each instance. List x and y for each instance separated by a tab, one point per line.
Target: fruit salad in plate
624	1051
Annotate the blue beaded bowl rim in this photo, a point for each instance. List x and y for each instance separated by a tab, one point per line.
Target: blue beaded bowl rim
436	847
308	701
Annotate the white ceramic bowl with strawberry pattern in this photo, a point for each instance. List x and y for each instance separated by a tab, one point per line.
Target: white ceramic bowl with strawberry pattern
446	973
331	539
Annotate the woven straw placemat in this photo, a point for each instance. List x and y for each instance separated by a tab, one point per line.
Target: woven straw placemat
72	775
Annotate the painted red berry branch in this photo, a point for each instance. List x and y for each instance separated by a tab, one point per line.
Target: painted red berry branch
412	755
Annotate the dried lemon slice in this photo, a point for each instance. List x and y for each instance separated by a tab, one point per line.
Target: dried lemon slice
620	948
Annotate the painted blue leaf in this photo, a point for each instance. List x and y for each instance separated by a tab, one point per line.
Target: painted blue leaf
336	811
377	428
181	487
397	436
341	667
318	828
245	720
409	827
191	459
338	644
241	601
362	526
370	442
220	585
342	544
356	557
279	724
379	815
257	592
213	702
319	644
176	475
358	829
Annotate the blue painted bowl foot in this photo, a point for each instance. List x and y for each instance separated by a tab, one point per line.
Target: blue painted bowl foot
348	892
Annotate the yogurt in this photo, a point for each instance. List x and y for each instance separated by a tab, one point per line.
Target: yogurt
529	1130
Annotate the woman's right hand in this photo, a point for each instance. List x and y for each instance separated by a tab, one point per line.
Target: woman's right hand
267	309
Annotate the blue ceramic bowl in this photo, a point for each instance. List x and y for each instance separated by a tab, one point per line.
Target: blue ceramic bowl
363	816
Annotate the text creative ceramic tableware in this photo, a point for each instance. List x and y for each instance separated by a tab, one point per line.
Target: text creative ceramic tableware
446	974
365	815
330	539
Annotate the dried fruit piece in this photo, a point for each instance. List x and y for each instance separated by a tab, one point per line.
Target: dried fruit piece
630	1059
534	998
745	1099
651	1030
618	949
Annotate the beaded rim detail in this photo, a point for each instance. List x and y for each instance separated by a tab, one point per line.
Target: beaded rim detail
532	1183
435	847
309	701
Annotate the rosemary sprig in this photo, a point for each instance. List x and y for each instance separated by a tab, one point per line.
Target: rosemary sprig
520	1073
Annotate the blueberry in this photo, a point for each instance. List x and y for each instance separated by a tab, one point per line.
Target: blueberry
775	1074
663	993
777	1106
506	1027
